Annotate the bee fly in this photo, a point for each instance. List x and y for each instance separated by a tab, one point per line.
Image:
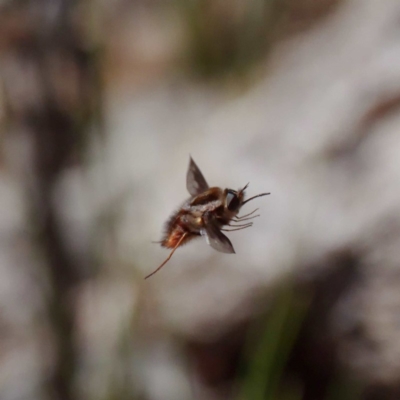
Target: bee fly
205	213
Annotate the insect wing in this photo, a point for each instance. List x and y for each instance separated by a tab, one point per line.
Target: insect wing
214	237
195	181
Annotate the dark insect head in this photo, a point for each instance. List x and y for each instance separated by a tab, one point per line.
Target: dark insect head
232	201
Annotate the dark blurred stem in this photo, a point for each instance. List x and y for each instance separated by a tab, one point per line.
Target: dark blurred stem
51	48
47	126
57	139
60	273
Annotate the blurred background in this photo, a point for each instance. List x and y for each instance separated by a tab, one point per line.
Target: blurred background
101	104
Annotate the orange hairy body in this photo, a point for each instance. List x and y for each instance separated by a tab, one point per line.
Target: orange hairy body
175	228
188	220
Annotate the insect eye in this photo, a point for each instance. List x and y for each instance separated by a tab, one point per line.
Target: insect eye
232	201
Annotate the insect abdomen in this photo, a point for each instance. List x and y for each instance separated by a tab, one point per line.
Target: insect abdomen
175	228
175	235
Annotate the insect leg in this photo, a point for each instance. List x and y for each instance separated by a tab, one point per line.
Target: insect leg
236	229
245	219
236	226
247	215
170	255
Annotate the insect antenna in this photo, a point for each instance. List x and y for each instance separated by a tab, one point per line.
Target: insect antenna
242	190
258	195
170	255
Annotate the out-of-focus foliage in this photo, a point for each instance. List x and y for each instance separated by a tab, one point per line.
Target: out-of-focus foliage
229	36
273	343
